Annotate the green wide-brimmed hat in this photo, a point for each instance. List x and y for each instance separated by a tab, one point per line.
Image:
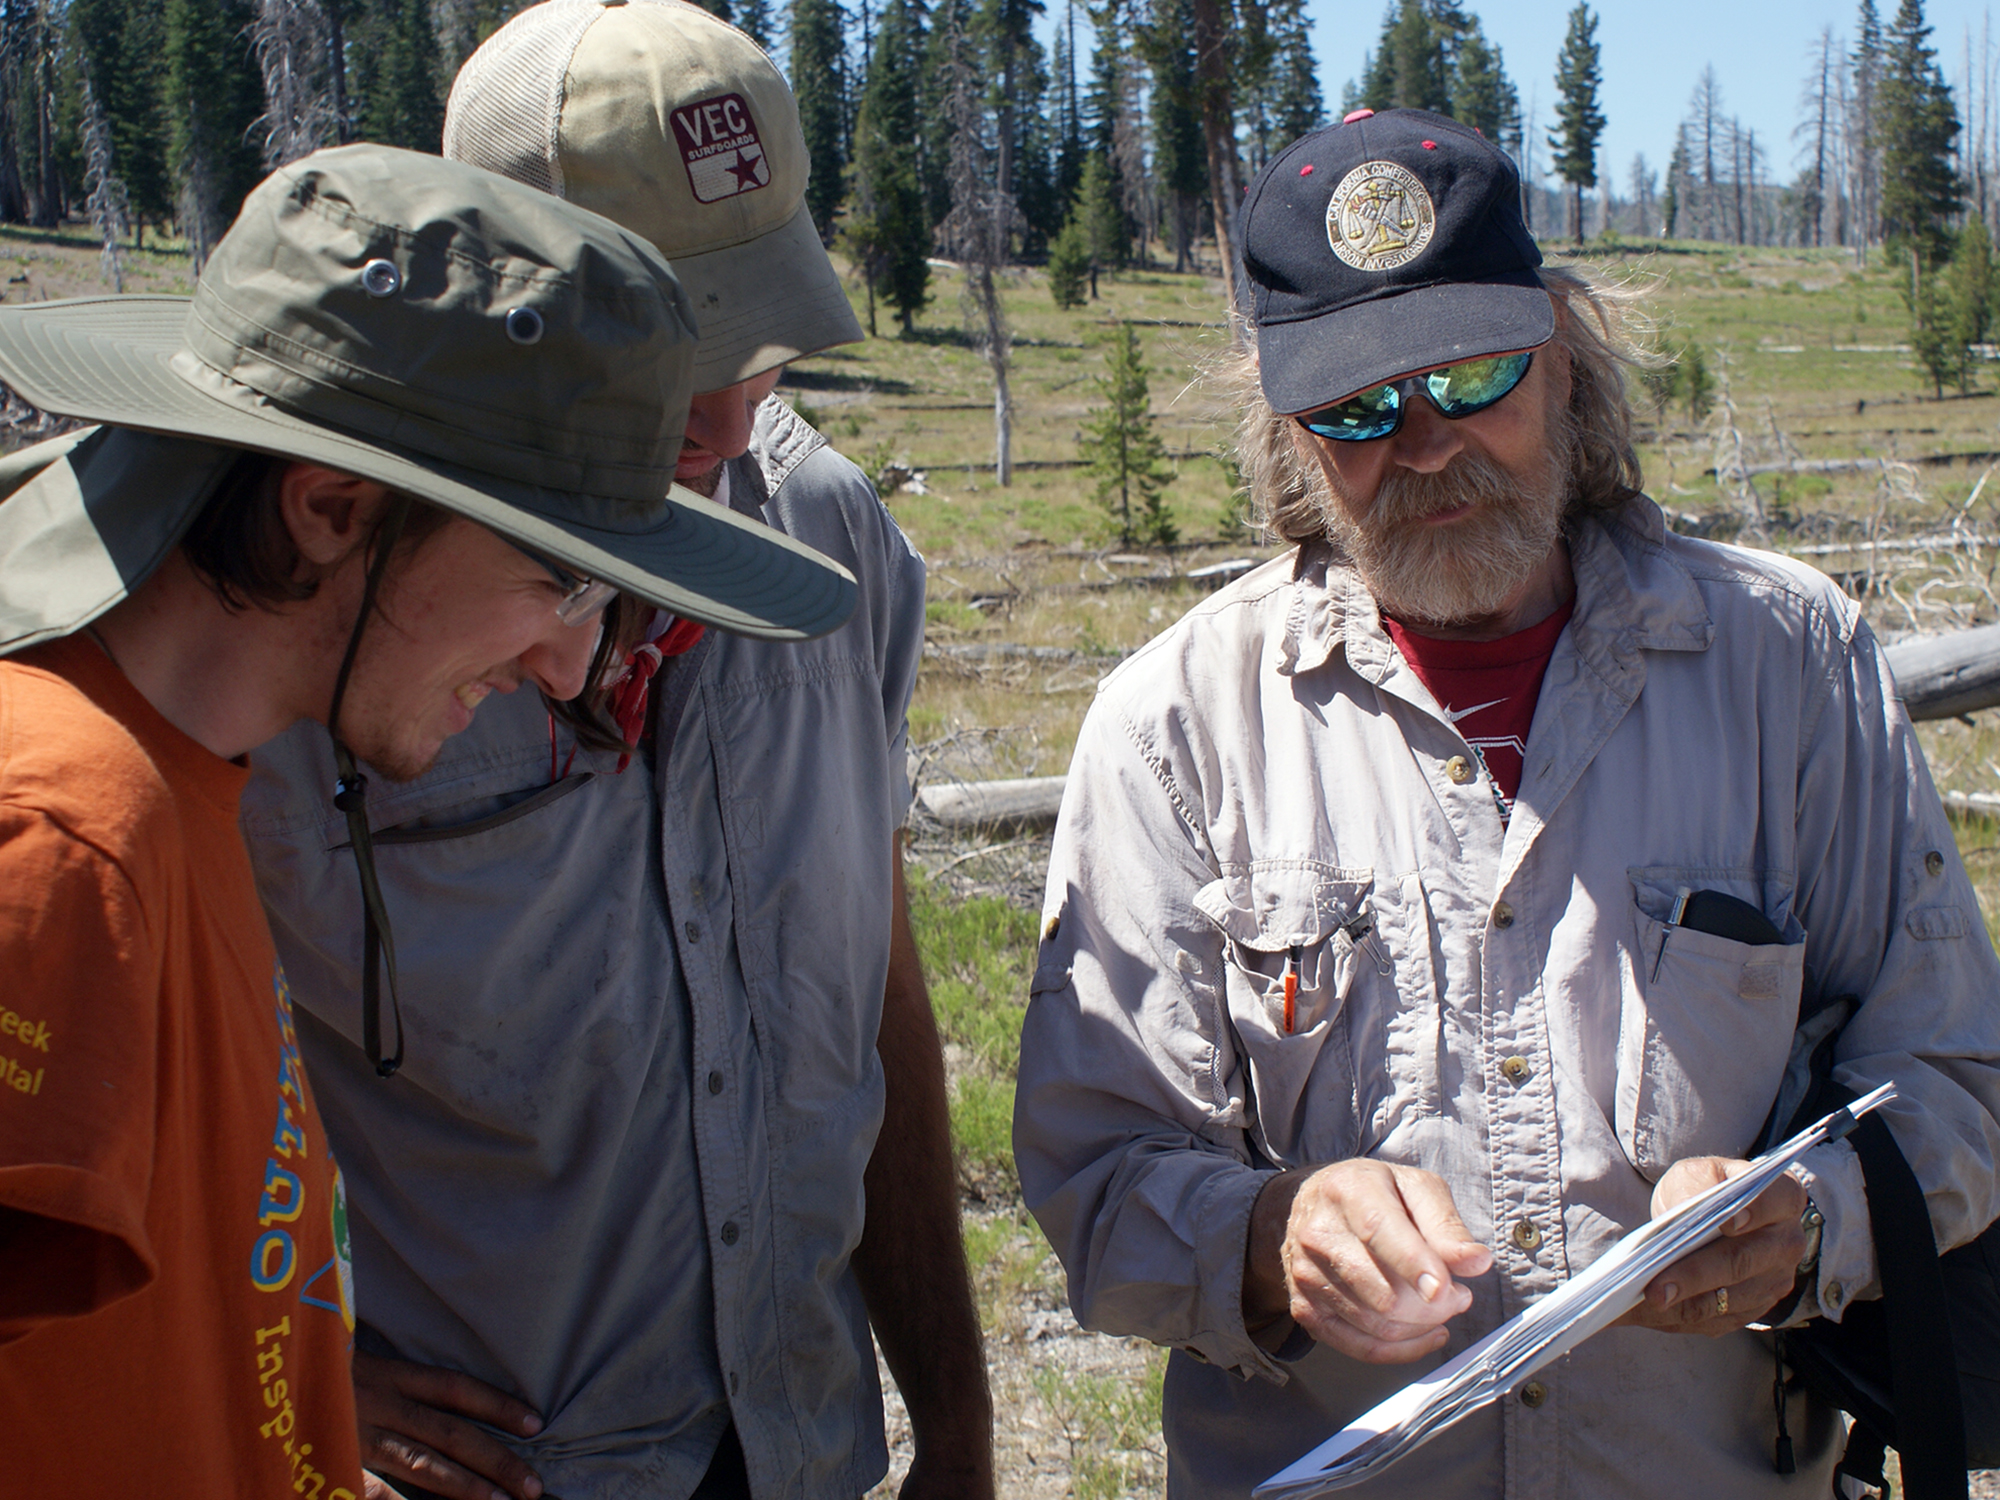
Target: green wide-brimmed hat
422	323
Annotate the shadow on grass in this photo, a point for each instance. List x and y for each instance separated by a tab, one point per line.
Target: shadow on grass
796	379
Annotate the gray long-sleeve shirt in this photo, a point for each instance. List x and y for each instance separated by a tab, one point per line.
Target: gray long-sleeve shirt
620	1174
1270	769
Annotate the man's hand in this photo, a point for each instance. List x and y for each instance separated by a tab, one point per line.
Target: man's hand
412	1429
1754	1263
1364	1256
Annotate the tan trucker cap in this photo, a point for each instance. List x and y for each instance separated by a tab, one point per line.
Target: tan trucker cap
675	124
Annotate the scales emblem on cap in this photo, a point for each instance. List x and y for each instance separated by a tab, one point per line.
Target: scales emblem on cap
1379	217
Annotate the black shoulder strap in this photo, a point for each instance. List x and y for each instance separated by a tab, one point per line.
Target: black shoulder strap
1930	1420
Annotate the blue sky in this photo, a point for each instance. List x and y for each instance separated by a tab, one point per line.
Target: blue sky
1652	51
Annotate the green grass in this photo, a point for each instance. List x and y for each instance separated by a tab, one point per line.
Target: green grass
977	956
1113	1428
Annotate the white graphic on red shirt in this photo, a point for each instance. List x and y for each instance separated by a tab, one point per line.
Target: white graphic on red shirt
720	148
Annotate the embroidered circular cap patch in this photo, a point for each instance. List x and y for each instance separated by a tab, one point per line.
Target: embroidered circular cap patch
1379	217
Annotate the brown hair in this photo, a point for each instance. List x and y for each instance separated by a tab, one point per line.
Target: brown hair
1601	325
240	548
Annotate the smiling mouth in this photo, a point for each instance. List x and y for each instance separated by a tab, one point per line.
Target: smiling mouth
472	694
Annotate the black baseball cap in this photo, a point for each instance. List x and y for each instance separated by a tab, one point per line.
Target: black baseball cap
1387	244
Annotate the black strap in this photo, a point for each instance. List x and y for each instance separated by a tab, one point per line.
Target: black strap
1930	1420
350	795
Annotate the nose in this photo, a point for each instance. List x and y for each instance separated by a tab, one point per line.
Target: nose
1427	440
559	660
720	421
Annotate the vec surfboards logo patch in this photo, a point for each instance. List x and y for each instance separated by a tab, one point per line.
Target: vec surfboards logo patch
719	143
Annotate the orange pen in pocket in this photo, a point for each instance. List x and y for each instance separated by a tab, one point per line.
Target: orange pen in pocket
1291	989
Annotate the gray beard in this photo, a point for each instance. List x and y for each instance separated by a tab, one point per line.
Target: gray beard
1468	570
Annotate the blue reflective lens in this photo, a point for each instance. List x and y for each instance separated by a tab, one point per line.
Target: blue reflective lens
1457	390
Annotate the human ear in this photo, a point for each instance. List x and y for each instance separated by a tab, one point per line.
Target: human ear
328	513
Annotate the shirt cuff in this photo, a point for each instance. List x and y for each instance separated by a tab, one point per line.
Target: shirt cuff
1832	1178
1223	1217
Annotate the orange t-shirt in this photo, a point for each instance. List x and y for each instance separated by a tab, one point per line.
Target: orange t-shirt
176	1296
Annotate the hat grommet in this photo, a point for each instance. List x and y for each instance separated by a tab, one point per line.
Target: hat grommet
524	325
380	278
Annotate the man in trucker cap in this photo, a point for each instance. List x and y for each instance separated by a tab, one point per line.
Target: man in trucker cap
393	456
672	1064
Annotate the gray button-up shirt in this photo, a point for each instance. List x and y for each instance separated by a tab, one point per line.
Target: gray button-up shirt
1515	1015
620	1174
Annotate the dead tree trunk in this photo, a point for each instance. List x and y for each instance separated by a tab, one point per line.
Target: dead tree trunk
1218	129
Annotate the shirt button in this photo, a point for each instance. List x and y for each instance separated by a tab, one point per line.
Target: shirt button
693	931
1503	914
1459	769
715	1083
729	1232
1832	1294
1515	1069
1534	1393
1934	862
1526	1235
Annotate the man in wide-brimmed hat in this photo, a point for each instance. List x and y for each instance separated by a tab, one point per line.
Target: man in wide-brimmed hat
672	1063
395	455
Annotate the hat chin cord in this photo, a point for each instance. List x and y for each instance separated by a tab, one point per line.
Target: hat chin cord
350	795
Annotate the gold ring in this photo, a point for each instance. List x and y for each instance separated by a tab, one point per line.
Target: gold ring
1722	1302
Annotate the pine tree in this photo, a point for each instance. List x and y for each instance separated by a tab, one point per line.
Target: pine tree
1917	126
392	58
1105	231
124	44
817	79
753	19
1123	452
212	95
1180	156
1482	95
1969	294
1069	263
1579	122
1865	146
886	227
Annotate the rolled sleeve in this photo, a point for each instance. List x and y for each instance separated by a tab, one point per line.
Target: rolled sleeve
1892	917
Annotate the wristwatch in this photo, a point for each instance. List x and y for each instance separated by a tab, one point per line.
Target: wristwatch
1813	1222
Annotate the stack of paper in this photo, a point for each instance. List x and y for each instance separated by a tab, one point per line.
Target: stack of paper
1505	1358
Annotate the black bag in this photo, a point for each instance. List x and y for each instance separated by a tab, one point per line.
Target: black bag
1918	1370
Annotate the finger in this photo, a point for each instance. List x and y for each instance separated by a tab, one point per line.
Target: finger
1757	1268
446	1454
1324	1282
1435	1215
1687	1178
375	1487
1782	1200
449	1390
1355	1344
1381	1220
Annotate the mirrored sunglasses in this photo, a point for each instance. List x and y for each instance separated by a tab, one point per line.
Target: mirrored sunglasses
583	598
1457	390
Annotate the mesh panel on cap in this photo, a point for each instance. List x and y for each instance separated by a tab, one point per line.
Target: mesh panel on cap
506	104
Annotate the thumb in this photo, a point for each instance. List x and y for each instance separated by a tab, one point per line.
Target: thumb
1436	1217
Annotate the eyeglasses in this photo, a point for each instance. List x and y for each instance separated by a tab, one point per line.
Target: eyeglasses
1456	391
583	598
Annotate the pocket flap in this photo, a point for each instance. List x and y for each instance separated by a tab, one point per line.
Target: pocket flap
1280	904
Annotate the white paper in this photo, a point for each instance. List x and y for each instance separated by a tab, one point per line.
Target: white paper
1582	1306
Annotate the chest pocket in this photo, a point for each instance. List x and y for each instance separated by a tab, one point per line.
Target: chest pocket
1298	940
1705	1023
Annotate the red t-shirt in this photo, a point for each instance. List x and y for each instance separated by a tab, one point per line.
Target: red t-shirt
176	1298
1488	690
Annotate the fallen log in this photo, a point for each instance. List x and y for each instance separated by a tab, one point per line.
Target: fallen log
1941	676
1023	805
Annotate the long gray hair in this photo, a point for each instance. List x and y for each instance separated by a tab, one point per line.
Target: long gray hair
1602	326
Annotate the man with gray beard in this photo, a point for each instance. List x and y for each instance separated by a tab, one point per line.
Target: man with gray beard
1371	1004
